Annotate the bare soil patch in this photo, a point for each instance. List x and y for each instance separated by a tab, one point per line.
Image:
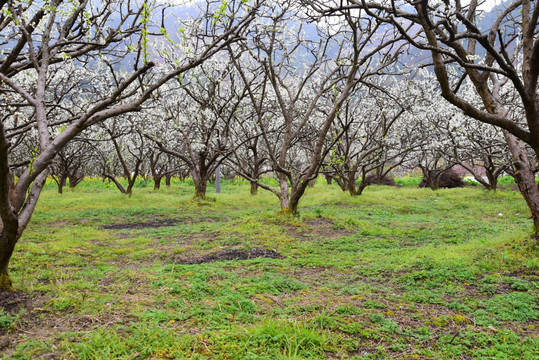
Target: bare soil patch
524	273
229	254
60	223
318	228
152	224
11	302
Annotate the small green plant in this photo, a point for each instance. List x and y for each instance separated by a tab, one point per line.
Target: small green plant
6	320
514	306
286	285
518	284
388	325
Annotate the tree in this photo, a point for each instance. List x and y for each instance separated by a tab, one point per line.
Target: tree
447	137
160	166
70	164
250	157
477	147
297	81
497	57
56	36
199	110
128	154
374	140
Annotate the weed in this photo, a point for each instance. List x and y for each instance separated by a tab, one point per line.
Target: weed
6	320
513	307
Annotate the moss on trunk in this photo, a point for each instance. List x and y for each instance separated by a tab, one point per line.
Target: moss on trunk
5	282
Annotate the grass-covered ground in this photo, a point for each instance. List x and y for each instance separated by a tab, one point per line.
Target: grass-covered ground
397	273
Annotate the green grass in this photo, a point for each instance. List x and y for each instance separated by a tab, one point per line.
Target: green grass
396	273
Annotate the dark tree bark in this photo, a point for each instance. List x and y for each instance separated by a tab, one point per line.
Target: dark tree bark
329	179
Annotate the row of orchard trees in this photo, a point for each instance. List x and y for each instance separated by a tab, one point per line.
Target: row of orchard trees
285	87
373	134
192	129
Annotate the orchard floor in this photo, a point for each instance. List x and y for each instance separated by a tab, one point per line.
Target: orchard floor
396	273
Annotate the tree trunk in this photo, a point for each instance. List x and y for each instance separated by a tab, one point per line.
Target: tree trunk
255	174
200	179
285	196
297	193
200	189
432	178
435	180
167	180
524	177
361	187
74	180
157	182
8	240
492	180
351	184
341	182
129	190
254	188
116	182
293	207
329	179
61	186
60	181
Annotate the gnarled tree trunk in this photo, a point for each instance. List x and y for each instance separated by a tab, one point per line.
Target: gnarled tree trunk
524	177
8	239
254	188
157	182
200	178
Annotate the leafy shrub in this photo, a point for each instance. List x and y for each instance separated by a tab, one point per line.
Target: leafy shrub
449	179
408	180
506	180
371	179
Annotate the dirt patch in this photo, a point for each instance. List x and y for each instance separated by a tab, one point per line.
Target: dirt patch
11	302
141	225
317	228
60	223
319	222
229	254
176	244
524	273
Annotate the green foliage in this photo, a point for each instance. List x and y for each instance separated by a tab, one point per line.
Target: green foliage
285	285
291	339
506	180
6	320
387	325
408	181
145	19
514	306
